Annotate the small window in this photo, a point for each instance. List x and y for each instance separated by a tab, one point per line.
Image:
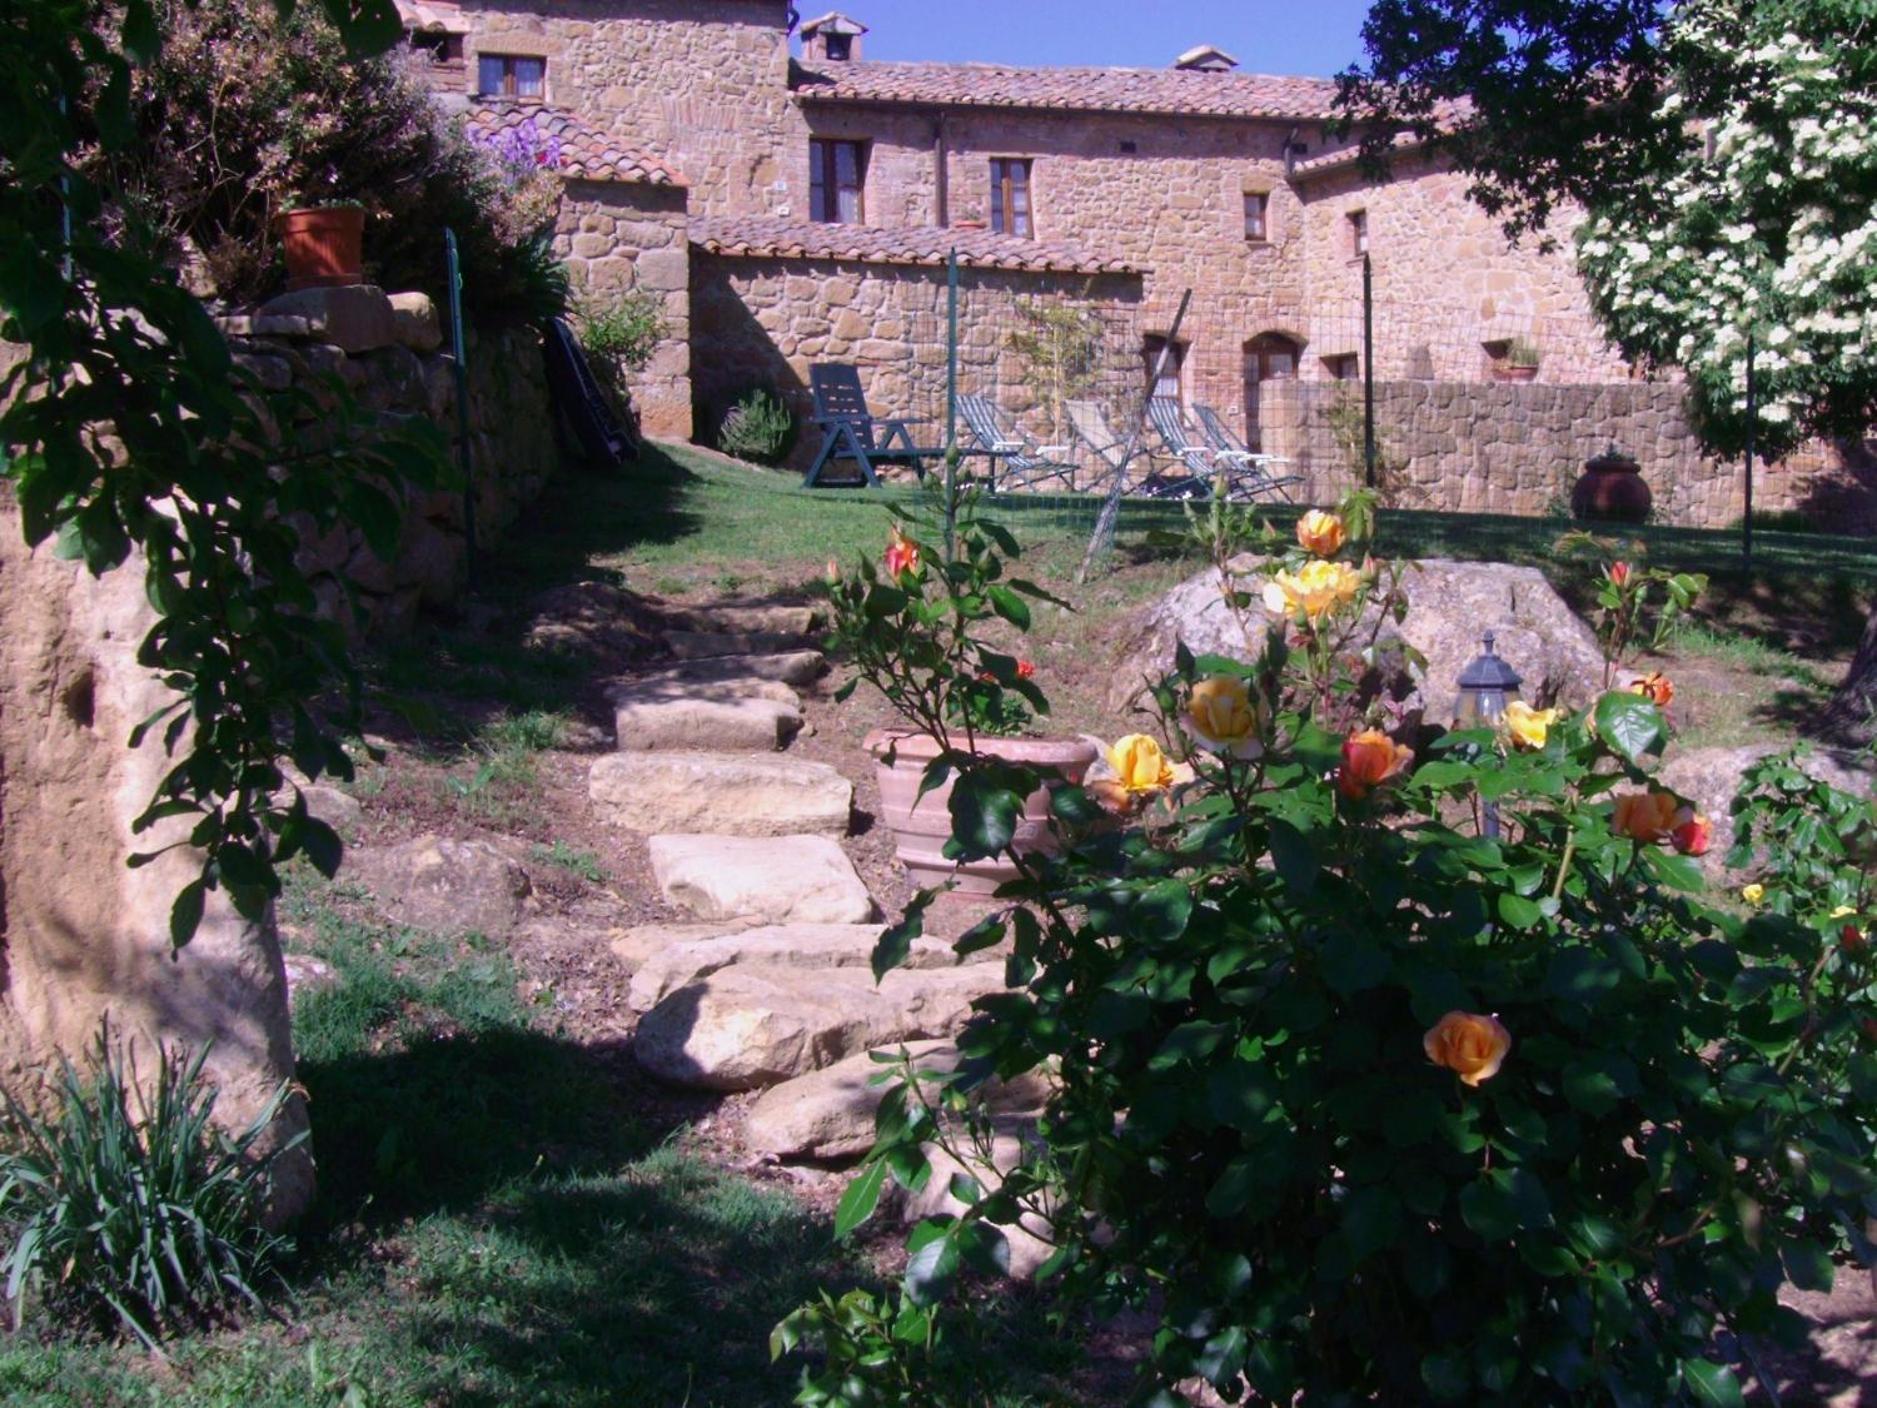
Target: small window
837	173
1358	233
1010	197
438	46
1257	212
511	76
840	47
1168	382
1347	367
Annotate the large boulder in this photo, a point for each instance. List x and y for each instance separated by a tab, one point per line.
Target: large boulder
449	886
732	795
780	879
1710	779
1450	606
828	1114
83	937
751	1026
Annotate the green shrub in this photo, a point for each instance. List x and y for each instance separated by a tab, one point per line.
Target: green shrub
625	332
758	426
1395	1071
132	1206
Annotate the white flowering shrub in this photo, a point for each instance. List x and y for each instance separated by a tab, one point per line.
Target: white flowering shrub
1768	229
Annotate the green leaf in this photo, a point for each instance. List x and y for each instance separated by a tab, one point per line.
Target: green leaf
1677	872
933	1260
1296	862
1371	1220
858	1202
1009	605
1518	911
1630	724
185	912
1712	1384
895	942
984	816
1193	1041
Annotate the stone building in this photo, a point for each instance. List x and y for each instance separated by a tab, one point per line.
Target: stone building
789	208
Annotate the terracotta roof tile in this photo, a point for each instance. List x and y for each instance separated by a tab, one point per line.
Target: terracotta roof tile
1077	89
586	154
1348	156
763	237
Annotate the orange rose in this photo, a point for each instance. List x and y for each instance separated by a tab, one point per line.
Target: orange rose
1321	533
1370	758
901	556
1618	573
1472	1046
1692	834
1026	669
1655	687
1644	816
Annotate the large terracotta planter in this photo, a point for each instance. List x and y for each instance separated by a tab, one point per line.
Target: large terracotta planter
920	832
324	245
1611	489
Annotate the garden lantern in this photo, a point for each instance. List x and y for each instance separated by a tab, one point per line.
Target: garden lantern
1487	685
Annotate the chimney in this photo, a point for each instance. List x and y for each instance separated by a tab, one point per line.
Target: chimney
833	39
1206	58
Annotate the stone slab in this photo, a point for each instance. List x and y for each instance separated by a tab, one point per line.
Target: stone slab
777	945
643	942
720	793
648	723
672	684
353	318
783	879
752	1026
797	667
731	616
708	645
446	885
414	321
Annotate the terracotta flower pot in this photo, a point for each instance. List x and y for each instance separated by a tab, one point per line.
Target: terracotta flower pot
1612	489
324	245
1506	373
920	832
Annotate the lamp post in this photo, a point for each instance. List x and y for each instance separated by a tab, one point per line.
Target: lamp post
1487	685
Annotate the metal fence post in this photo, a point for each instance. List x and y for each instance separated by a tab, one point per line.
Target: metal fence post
1753	417
1368	372
951	401
454	285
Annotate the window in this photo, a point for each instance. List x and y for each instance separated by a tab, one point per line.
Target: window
1257	207
1347	367
1010	197
1167	383
836	175
1269	357
511	76
1358	233
840	47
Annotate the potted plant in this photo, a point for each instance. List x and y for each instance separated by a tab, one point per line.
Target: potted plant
323	243
1519	362
908	624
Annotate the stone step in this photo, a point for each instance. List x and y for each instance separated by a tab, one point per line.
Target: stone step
643	942
647	722
752	1026
737	618
797	667
781	879
828	1114
673	684
709	645
776	945
723	793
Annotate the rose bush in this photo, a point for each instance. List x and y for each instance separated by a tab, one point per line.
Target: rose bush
1362	1105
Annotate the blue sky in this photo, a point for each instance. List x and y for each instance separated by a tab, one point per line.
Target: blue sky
1266	36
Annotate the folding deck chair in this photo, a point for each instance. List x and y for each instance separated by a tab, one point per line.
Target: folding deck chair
850	431
1026	464
1251	471
1090	424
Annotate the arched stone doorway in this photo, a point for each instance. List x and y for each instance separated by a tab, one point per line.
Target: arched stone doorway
1270	356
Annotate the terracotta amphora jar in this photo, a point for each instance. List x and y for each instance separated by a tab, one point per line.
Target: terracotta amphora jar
920	832
324	245
1611	489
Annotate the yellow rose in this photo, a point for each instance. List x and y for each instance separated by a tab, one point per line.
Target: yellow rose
1753	894
1644	816
1321	533
1312	592
1843	911
1222	716
1139	765
1472	1046
1526	726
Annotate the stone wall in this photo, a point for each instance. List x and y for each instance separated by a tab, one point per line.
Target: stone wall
766	321
386	351
700	84
617	236
1517	448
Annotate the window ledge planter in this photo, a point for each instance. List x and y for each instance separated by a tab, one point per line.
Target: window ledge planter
323	245
920	832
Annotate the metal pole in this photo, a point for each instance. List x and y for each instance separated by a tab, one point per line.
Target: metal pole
1368	372
1099	540
454	284
951	402
1746	522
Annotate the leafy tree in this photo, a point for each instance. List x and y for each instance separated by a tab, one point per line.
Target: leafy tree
1722	152
128	429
